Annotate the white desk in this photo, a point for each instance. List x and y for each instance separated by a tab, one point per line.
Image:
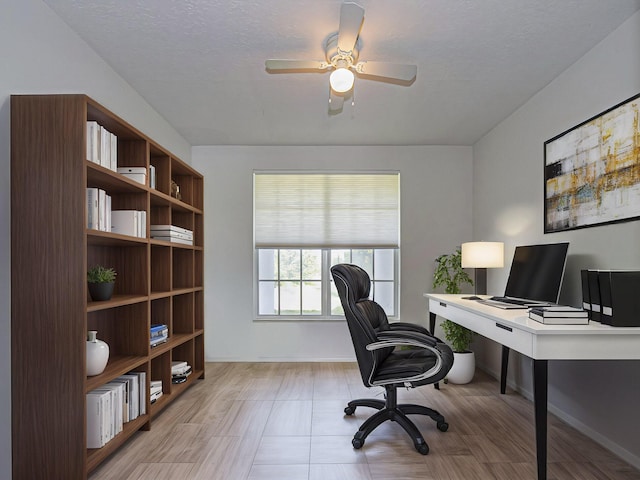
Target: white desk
514	330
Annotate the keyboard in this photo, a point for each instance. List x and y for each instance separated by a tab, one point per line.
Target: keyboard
514	301
508	303
503	305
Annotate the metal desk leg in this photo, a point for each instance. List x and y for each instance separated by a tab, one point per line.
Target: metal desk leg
503	372
540	369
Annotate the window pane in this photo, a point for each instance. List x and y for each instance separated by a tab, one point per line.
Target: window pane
340	256
290	264
289	298
312	264
267	264
364	259
384	296
336	305
312	298
267	298
383	259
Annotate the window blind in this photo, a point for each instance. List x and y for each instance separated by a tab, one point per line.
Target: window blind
326	210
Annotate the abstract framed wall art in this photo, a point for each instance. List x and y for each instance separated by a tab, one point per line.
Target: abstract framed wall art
592	171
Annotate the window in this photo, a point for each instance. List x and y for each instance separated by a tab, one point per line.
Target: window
305	223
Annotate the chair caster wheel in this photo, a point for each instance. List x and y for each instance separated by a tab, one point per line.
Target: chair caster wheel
443	426
349	410
357	443
422	448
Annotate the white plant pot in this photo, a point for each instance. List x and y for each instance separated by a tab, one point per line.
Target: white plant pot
97	354
464	366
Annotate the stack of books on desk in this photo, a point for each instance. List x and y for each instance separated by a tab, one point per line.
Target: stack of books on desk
559	315
159	334
155	390
172	233
180	371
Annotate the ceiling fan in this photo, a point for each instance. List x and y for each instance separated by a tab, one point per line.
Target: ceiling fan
341	52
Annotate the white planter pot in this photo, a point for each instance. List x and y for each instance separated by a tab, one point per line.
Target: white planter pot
464	366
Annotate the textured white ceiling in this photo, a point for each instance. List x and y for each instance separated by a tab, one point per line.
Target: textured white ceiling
200	63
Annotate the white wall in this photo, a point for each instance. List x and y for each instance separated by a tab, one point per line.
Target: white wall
435	217
40	54
600	398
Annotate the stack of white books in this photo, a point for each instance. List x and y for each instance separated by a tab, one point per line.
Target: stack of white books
172	233
112	405
98	209
129	222
180	370
155	390
102	146
559	315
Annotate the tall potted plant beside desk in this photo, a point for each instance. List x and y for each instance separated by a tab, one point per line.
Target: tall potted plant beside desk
450	274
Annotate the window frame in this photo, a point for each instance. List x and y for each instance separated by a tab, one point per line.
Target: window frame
326	286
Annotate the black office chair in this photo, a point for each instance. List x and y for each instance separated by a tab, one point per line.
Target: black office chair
426	360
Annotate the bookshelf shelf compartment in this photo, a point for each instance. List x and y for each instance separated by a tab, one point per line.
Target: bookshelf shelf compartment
156	281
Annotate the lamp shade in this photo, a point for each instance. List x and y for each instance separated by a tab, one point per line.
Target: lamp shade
341	80
482	255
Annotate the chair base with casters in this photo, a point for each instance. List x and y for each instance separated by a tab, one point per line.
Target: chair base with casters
390	410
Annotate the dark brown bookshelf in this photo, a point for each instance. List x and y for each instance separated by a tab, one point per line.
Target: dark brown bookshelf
51	250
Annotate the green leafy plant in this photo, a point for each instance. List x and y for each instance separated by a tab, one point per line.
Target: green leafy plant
450	274
100	274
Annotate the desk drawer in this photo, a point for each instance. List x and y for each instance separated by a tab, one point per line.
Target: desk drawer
504	333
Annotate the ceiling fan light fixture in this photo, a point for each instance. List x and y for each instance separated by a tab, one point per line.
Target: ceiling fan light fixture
341	80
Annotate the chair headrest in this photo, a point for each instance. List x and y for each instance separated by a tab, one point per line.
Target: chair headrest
356	278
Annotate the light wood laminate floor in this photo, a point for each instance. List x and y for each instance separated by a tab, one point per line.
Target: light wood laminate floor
285	421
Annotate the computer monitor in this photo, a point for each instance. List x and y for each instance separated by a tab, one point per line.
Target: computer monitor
536	272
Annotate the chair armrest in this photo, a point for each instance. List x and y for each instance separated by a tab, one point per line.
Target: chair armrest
399	338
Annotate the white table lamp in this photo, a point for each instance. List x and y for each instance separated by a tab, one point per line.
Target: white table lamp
482	255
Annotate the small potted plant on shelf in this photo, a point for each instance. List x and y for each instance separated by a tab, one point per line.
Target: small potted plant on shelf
101	281
450	274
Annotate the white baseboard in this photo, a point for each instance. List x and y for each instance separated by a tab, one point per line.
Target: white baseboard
607	443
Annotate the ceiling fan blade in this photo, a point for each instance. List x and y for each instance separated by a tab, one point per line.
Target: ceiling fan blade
295	65
336	102
388	70
351	18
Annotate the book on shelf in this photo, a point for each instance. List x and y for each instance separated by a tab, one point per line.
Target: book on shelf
159	330
171	228
154	396
112	405
154	342
92	208
178	366
559	315
183	372
93	142
98	209
173	239
155	384
102	146
129	222
152	176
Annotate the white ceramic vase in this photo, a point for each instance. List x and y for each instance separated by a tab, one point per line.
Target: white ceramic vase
97	354
464	366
